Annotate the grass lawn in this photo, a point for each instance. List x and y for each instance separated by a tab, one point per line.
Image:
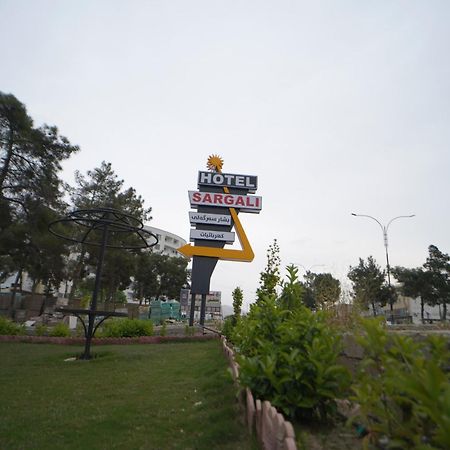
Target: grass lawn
167	396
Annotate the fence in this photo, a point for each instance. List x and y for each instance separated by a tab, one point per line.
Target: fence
272	430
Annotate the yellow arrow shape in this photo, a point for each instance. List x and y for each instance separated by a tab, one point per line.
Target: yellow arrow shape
246	254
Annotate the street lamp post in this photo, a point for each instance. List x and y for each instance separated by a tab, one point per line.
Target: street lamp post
384	229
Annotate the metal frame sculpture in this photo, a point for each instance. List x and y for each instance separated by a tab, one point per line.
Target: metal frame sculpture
108	222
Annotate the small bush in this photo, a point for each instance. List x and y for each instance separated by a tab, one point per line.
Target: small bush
163	331
127	328
41	330
189	331
60	330
290	359
8	327
228	327
403	389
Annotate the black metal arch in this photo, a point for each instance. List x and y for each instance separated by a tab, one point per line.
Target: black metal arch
116	222
109	222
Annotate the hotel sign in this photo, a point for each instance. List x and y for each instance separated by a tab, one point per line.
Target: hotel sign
212	235
249	182
213	219
245	203
218	201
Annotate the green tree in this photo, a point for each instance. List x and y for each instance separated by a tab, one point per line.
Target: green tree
270	278
415	283
238	298
292	291
102	188
159	275
326	290
30	158
31	192
438	267
369	284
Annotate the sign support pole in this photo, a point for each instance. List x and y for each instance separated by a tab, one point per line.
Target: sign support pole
191	315
203	310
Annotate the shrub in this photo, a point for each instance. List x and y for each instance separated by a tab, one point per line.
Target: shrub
403	388
228	327
127	328
8	327
289	358
60	330
189	331
163	331
40	330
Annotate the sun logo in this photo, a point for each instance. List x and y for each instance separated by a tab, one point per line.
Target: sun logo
215	163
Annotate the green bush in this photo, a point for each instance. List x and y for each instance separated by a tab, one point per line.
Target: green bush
127	328
403	389
289	358
60	330
40	330
163	330
228	327
8	327
189	331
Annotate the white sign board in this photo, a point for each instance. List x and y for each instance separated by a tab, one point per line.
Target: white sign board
213	219
209	235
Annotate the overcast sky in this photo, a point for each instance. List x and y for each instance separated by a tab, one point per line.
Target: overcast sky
336	106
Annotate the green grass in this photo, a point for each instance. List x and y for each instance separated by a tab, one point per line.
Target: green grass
169	396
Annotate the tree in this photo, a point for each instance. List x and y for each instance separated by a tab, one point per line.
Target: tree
30	193
30	158
369	284
415	283
172	276
292	291
101	188
159	275
238	298
326	290
438	267
270	278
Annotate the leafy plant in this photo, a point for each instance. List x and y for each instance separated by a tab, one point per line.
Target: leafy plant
269	279
127	328
238	298
60	330
403	389
163	330
41	330
8	327
287	355
228	328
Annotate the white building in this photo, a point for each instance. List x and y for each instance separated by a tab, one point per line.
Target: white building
410	309
167	241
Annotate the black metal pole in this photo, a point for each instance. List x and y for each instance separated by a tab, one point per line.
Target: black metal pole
203	310
93	307
192	312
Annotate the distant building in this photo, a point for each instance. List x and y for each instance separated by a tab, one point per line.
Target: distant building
407	309
213	305
168	243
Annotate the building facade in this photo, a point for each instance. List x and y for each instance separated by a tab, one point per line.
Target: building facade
167	242
213	305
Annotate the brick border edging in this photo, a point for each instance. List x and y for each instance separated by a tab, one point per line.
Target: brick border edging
273	431
103	341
